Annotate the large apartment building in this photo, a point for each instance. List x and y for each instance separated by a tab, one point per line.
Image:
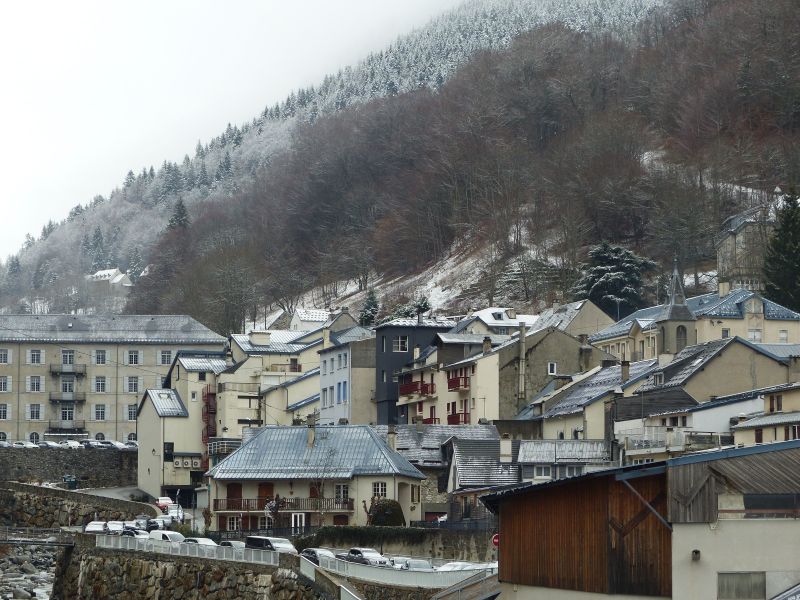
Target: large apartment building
79	376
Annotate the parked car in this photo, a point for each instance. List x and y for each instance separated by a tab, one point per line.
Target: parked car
314	554
275	544
49	444
397	561
163	502
71	444
114	444
458	566
139	534
200	541
176	512
24	444
364	556
414	564
164	522
95	444
236	544
96	527
166	536
131	445
115	527
5	444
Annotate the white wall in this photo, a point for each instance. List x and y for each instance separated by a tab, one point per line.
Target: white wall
740	545
718	419
335	376
526	592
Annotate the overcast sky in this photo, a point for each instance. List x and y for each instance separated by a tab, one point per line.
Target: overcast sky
91	89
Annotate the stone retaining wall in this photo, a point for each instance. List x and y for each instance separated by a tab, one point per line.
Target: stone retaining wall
33	506
92	467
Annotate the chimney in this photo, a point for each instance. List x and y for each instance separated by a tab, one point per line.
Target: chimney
419	318
583	339
326	337
794	369
742	417
259	338
312	434
626	370
416	351
522	358
391	437
487	345
608	363
505	448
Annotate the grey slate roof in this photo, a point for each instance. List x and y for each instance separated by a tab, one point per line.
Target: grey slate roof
748	395
559	317
421	445
280	452
353	334
706	305
471	338
781	350
461	325
770	420
197	364
563	451
138	329
412	322
477	464
274	346
167	403
595	386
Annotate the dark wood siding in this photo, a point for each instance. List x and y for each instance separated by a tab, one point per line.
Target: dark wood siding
692	494
591	535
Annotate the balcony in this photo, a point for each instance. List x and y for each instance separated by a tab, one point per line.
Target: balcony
455	384
62	369
65	426
290	504
431	421
286	368
242	388
406	389
67	396
461	418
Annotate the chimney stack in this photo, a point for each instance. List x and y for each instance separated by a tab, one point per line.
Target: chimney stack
416	351
391	437
419	318
607	363
505	448
312	434
487	345
259	338
521	397
626	370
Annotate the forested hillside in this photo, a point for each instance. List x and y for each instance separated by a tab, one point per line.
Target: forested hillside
641	134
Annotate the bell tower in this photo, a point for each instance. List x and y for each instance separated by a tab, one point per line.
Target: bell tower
677	326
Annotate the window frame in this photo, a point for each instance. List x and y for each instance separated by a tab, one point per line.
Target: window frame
135	408
542	472
99	379
379	489
165	353
31	407
98	360
99	412
131	355
399	342
38	352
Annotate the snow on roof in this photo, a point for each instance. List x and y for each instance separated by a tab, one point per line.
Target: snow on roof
311	314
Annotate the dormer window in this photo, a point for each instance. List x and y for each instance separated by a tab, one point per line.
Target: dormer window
497	316
658	378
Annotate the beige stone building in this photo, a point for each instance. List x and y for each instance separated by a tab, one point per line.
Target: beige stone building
66	376
778	421
302	476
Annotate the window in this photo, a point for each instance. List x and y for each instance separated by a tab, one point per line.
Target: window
759	433
3	436
400	343
67	412
201	376
100	384
344	360
552	368
673	421
543	471
100	436
68	357
132	386
383	377
741	586
339	393
754	335
414	493
35	357
234	523
342	493
680	338
34	437
5	385
379	489
265	522
99	357
324	397
133	357
131	437
34	412
783	335
383	343
166	357
132	412
34	383
3	356
99	412
683	421
338	361
574	471
330	396
324	367
775	403
3	412
658	378
419	407
67	384
642	461
344	392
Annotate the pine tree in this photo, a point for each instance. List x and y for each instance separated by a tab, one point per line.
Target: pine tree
613	279
179	218
14	267
130	179
782	258
97	250
369	310
135	264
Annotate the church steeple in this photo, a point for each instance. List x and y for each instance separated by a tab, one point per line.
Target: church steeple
676	321
676	293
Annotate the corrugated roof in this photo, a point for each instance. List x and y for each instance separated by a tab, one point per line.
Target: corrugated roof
563	451
304	402
312	314
197	364
340	452
781	350
421	444
769	420
594	387
133	329
776	470
310	373
749	394
413	322
477	464
167	403
275	346
559	317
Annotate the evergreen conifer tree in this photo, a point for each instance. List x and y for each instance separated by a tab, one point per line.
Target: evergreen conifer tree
135	264
179	218
369	310
782	258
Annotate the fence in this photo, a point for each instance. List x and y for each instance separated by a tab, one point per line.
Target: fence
248	555
479	585
396	577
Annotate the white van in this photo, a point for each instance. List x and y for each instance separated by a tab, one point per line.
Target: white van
166	536
96	527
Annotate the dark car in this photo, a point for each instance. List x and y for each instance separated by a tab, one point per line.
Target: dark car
364	556
314	554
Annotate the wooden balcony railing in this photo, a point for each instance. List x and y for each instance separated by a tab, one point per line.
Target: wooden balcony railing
290	503
457	383
461	418
427	389
431	421
407	389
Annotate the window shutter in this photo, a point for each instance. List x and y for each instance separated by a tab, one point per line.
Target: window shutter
10	386
125	357
140	384
27	357
10	361
94	357
140	356
27	383
41	384
8	411
27	412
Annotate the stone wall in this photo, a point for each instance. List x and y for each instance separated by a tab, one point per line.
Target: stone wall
33	506
92	467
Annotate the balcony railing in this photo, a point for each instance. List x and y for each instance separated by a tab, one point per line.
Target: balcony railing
67	396
407	389
427	389
287	368
245	388
223	447
62	369
71	425
289	503
457	383
431	421
461	418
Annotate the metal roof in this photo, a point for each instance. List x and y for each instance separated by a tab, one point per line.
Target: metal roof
421	444
471	338
209	365
563	451
749	394
770	420
594	387
560	316
166	402
304	402
781	350
310	373
347	336
339	452
413	322
306	314
274	346
133	329
477	464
